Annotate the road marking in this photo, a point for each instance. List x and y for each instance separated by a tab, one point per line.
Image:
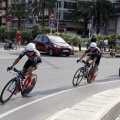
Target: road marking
40	99
53	117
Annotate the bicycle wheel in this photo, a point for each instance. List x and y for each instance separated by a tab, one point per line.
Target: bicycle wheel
8	91
25	92
78	77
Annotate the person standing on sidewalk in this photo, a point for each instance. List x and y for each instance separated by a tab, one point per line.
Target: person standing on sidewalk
18	38
93	39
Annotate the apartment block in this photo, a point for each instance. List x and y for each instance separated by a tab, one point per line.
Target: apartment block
62	12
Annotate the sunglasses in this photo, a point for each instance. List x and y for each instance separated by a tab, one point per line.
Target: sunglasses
92	47
30	51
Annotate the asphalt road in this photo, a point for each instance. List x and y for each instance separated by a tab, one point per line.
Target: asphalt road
54	91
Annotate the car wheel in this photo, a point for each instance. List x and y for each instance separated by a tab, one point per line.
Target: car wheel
50	52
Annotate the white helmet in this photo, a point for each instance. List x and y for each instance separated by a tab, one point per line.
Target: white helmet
30	47
93	44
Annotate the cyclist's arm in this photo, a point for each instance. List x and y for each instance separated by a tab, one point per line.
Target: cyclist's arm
82	56
18	59
87	51
15	62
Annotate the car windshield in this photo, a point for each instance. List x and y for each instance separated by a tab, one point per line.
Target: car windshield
56	39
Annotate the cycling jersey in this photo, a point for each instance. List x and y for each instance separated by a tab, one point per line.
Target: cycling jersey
96	52
35	58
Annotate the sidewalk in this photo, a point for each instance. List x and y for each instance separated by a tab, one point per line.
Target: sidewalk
102	106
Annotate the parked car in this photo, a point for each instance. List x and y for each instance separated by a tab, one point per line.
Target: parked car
52	44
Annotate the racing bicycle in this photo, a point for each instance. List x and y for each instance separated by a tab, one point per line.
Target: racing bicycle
16	85
83	72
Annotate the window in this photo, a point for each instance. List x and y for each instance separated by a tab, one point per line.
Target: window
45	39
69	5
39	38
67	15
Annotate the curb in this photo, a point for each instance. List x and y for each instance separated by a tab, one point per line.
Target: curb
101	106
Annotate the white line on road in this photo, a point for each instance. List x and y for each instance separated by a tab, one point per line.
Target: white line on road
57	114
40	99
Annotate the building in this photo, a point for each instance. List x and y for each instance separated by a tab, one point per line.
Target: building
3	8
62	12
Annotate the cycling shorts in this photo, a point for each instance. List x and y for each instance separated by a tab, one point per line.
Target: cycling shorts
98	59
30	63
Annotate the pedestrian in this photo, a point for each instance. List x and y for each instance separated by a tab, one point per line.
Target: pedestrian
18	38
93	39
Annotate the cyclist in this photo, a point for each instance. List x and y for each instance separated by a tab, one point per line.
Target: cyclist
95	56
31	64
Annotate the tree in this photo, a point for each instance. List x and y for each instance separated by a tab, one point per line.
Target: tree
102	10
39	7
18	9
82	11
99	10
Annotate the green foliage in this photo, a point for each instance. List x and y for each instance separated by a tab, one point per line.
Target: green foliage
29	35
70	38
26	35
111	39
118	48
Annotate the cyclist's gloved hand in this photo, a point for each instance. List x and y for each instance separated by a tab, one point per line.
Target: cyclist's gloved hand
78	60
9	68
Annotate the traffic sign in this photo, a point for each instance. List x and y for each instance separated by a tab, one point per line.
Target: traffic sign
52	24
9	18
8	24
52	16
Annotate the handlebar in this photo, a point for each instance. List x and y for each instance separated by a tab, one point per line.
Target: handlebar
88	64
15	70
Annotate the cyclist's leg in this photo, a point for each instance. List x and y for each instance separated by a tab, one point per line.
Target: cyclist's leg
95	68
26	67
88	59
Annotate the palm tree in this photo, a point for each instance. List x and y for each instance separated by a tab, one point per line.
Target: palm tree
18	9
102	10
82	11
39	7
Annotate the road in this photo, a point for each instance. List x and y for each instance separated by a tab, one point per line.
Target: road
54	91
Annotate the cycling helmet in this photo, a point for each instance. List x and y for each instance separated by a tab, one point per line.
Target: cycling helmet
30	47
93	44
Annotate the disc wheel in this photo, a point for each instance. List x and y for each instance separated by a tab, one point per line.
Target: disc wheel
78	77
25	92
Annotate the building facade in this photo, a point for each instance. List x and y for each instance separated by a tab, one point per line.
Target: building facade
62	11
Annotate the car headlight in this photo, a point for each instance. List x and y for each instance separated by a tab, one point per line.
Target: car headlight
57	46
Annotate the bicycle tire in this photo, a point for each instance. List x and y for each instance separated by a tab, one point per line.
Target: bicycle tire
76	82
90	73
12	81
25	92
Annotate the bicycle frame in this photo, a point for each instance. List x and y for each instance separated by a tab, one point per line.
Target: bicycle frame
18	77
